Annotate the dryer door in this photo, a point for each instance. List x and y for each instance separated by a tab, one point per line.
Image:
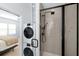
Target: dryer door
28	32
28	52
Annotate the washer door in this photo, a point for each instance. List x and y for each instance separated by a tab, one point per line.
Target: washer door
28	52
28	32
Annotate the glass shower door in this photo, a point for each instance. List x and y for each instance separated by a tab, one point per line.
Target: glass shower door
51	27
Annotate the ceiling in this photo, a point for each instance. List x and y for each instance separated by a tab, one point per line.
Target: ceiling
22	9
48	5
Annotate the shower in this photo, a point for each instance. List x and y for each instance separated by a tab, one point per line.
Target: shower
50	38
59	30
44	26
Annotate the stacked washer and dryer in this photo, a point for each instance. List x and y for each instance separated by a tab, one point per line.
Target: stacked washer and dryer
30	43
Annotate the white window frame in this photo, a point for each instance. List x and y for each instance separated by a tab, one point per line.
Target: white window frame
3	24
7	29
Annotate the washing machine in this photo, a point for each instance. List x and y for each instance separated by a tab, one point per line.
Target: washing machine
28	33
29	42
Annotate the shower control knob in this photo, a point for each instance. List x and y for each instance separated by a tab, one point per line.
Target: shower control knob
42	33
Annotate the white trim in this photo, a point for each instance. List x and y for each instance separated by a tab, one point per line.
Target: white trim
20	39
38	29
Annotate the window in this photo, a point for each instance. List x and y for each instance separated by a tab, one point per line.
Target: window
7	29
12	29
3	29
8	23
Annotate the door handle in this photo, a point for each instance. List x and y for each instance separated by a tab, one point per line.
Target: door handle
34	43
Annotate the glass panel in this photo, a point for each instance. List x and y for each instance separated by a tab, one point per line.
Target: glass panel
71	30
3	29
12	28
51	32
